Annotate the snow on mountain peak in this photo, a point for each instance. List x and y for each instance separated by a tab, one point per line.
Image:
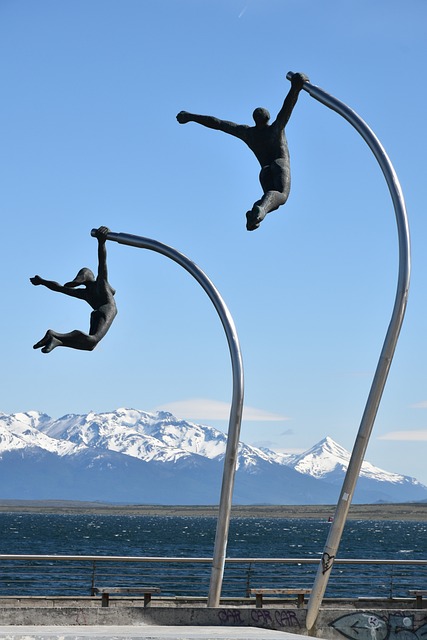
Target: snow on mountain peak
24	430
100	440
327	458
147	436
321	459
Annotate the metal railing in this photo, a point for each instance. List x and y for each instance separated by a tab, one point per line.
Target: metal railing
56	575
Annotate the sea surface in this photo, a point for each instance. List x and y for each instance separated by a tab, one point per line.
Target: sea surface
178	537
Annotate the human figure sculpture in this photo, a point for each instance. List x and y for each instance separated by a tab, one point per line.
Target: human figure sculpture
98	293
268	142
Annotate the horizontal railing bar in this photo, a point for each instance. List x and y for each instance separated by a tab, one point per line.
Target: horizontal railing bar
180	560
102	558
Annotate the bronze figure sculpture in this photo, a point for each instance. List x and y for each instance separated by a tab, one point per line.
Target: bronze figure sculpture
97	292
268	143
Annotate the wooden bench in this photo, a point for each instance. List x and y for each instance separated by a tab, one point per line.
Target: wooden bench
299	592
418	593
106	591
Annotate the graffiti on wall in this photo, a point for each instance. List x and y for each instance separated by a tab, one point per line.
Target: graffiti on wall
369	626
271	618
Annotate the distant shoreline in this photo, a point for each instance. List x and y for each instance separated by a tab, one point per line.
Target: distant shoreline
401	511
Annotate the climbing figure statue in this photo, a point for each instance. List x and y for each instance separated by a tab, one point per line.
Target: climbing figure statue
97	292
268	143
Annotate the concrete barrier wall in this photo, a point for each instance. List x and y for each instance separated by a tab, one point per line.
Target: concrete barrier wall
332	624
371	624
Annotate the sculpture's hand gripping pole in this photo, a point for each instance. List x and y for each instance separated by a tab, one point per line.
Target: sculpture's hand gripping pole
384	363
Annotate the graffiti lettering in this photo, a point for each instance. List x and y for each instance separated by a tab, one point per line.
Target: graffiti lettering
81	618
230	616
286	618
260	616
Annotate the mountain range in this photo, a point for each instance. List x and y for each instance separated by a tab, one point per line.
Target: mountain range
131	456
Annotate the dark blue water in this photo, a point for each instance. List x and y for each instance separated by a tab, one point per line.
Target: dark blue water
193	537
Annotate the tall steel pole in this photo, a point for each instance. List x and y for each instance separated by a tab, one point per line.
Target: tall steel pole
236	410
383	366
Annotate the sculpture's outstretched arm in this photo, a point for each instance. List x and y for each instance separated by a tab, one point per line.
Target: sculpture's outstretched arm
285	112
59	288
212	123
101	235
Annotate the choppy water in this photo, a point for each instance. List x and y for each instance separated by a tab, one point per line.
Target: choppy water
160	536
194	536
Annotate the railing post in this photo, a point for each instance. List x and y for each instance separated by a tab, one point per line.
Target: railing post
391	581
248	580
92	586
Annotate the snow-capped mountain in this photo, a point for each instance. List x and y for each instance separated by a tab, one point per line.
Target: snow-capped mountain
328	460
134	456
156	437
24	430
131	433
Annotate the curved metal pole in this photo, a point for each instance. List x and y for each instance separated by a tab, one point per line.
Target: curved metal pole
236	410
383	366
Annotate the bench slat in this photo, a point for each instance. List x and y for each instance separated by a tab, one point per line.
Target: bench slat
126	589
300	593
105	593
272	591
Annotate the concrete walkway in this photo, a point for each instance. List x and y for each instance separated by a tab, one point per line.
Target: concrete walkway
147	632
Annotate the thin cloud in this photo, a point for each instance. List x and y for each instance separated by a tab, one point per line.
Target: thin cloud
419	405
265	444
288	432
405	436
276	447
288	450
203	409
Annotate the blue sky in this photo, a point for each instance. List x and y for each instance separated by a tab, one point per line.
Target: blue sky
90	91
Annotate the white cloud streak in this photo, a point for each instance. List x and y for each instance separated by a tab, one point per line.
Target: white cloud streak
204	409
405	436
292	450
419	405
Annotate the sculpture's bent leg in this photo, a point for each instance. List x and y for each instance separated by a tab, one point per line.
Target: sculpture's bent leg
74	339
275	180
268	203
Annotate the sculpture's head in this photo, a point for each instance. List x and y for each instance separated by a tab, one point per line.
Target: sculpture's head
84	275
261	116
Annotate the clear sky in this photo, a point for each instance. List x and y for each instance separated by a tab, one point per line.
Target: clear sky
90	91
